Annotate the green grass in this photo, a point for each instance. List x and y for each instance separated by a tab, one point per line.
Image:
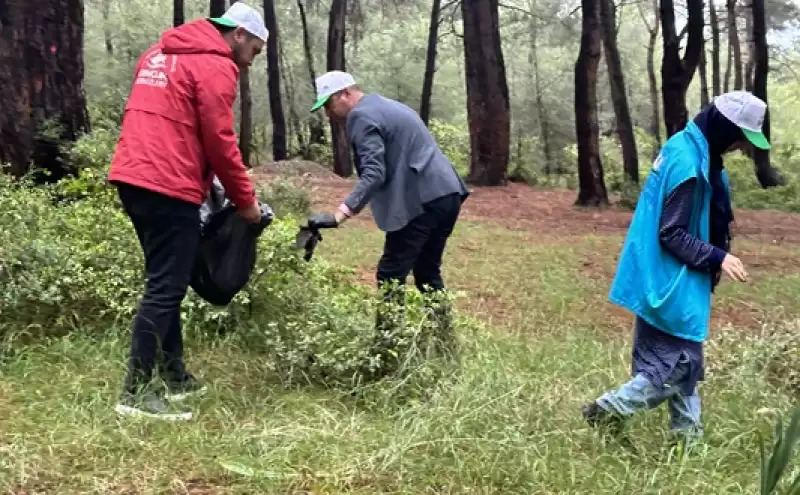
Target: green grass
504	420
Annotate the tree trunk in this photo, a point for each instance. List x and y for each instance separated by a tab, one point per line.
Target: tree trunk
106	13
41	76
655	120
677	72
728	68
245	115
544	122
245	111
748	68
342	164
294	119
592	187
487	93
767	175
177	12
715	80
619	96
736	48
216	8
703	78
274	84
430	63
316	130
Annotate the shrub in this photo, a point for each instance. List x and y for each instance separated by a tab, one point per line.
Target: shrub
77	267
454	142
285	198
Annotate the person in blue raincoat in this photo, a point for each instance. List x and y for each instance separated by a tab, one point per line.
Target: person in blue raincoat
677	246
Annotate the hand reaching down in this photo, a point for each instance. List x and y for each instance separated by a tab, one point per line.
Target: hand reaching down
733	267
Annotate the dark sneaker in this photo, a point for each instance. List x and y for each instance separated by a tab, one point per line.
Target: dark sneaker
150	405
183	389
597	417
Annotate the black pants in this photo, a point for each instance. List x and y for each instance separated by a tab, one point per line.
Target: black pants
418	247
169	232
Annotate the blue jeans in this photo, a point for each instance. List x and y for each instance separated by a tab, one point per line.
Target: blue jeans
638	394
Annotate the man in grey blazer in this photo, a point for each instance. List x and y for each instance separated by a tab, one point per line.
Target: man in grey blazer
413	190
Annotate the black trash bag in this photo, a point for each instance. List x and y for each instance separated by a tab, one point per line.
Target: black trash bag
307	239
227	253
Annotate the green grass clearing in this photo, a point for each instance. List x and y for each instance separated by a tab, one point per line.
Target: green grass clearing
506	421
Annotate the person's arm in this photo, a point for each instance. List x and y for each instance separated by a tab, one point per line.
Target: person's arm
674	235
216	92
365	134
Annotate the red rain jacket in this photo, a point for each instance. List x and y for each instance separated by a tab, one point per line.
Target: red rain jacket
177	131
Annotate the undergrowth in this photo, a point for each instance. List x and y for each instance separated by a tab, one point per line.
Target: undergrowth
77	267
288	410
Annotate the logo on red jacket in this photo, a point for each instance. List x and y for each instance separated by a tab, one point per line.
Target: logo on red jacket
153	72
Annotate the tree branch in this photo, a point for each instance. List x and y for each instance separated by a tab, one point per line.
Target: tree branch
453	27
515	8
644	18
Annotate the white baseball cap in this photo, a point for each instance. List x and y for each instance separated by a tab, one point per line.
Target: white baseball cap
747	112
242	15
330	83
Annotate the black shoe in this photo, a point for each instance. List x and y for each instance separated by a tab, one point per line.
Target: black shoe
597	417
149	404
189	386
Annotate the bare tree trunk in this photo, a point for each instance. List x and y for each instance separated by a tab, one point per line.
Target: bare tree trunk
245	116
544	122
293	130
715	79
487	93
767	175
655	122
736	48
704	99
245	111
41	76
106	13
342	164
592	188
677	72
748	70
355	20
728	68
430	62
619	98
274	84
316	131
177	12
216	8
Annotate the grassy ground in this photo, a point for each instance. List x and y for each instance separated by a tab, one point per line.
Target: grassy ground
506	420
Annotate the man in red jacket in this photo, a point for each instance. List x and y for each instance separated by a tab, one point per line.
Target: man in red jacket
177	134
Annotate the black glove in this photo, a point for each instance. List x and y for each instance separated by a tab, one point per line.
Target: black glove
307	239
322	221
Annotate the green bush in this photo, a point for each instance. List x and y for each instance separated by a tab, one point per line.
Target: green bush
454	142
285	198
77	267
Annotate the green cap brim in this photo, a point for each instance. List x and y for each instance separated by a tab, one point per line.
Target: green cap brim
223	22
757	138
319	103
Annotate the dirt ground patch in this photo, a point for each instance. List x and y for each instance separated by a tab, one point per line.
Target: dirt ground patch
295	168
544	216
542	212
